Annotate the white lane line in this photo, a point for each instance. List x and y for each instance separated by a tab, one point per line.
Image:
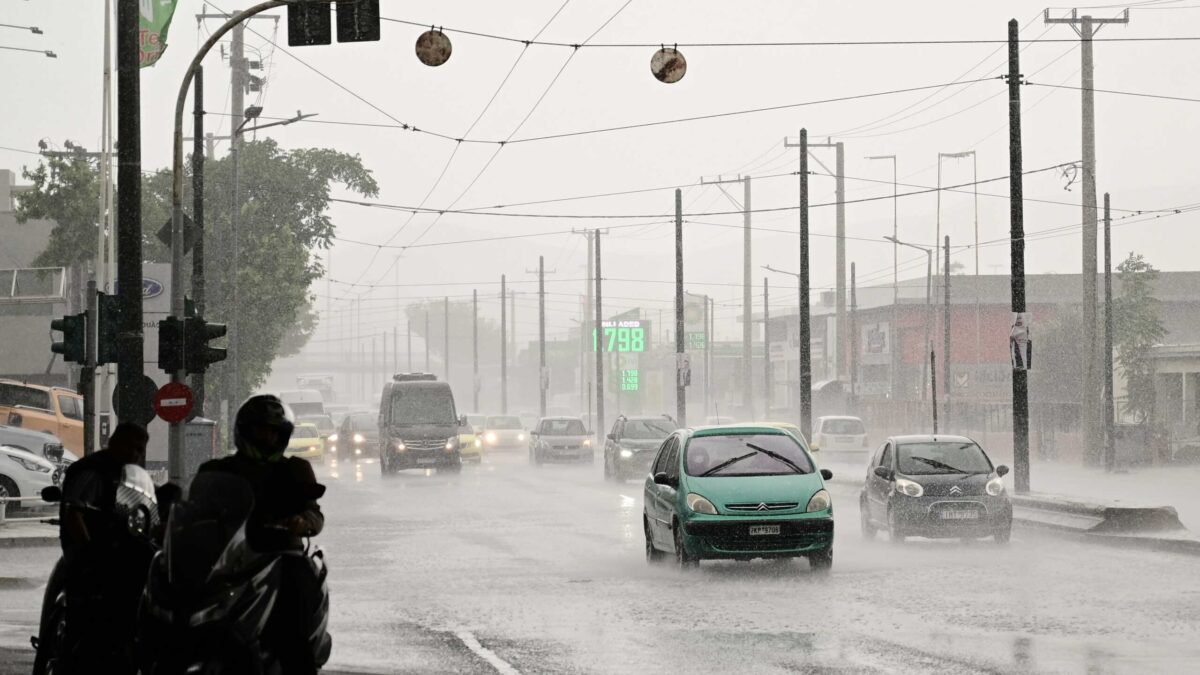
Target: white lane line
501	666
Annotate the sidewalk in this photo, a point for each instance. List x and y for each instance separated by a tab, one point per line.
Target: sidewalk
1177	486
27	533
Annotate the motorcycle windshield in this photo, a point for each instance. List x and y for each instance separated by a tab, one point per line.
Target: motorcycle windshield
135	497
206	529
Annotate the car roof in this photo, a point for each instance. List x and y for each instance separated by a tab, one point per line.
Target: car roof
562	417
930	438
839	417
735	429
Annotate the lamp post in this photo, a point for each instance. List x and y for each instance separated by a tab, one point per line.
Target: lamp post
928	303
895	272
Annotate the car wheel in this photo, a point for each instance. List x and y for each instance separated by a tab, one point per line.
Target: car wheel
537	458
682	558
1003	536
8	489
894	532
653	555
821	562
868	528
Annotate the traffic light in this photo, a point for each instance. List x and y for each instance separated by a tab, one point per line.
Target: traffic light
197	334
170	344
73	327
106	343
309	23
357	20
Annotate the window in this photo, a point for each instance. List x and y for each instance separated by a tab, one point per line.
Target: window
562	428
651	429
672	467
15	394
504	422
923	459
71	409
660	461
886	459
843	427
422	405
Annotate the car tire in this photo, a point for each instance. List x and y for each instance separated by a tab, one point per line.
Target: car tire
653	555
895	534
821	562
9	489
868	528
1002	536
683	559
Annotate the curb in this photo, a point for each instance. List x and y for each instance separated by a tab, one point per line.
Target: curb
1147	528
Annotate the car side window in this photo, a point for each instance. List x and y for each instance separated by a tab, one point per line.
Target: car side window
672	467
70	408
885	460
660	460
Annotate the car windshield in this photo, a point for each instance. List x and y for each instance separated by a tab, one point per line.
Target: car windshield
563	428
916	459
504	422
648	430
422	405
323	423
364	422
15	394
746	455
850	427
305	432
477	421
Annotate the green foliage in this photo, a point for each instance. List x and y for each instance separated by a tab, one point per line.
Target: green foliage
66	189
1137	328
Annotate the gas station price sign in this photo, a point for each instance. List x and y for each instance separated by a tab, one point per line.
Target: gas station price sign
622	336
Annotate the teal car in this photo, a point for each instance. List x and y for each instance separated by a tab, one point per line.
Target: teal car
737	492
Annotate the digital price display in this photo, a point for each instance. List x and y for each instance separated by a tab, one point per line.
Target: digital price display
622	336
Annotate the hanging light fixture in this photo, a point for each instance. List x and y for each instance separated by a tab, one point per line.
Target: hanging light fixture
668	65
433	47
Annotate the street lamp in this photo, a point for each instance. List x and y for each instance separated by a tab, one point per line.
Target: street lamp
928	306
895	270
975	186
803	400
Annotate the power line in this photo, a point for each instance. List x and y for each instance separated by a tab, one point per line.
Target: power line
1114	91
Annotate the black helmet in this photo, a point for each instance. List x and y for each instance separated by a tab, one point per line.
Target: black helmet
264	424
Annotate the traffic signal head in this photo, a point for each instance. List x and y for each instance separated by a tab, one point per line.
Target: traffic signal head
198	333
170	344
72	347
106	344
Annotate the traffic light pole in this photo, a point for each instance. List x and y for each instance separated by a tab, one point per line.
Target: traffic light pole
87	379
175	439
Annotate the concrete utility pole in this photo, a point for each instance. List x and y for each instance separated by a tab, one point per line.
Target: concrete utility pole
1110	449
541	336
475	350
503	349
1086	28
853	337
747	288
408	339
1016	205
946	333
198	267
129	210
804	318
893	330
680	383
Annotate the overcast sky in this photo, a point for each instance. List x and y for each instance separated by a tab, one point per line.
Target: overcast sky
1145	146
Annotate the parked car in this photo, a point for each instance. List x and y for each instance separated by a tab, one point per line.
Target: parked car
305	442
53	410
740	492
504	431
630	447
24	474
560	438
39	443
357	435
839	433
935	486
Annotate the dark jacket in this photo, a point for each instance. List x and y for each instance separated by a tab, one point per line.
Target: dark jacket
282	489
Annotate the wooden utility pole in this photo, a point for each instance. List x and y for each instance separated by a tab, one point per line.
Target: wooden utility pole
946	333
680	382
1016	205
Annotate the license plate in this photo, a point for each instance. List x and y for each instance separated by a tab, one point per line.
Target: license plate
960	515
758	530
426	460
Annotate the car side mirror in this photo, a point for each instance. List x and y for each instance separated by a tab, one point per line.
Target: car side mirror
462	420
884	473
661	478
612	437
52	493
1002	470
826	474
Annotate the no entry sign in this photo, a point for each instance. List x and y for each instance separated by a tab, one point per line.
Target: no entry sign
173	402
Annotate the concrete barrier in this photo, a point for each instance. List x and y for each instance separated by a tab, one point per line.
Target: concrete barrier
1155	527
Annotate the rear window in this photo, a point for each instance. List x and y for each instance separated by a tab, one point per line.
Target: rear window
323	423
15	394
504	422
363	421
707	454
422	405
563	428
843	427
306	432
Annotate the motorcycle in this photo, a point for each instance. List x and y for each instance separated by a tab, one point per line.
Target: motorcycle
209	596
59	643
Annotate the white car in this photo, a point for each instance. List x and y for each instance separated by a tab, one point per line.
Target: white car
837	433
24	474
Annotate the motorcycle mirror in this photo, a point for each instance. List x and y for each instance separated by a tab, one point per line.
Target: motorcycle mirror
52	493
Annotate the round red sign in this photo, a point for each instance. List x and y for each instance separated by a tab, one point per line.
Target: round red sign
173	402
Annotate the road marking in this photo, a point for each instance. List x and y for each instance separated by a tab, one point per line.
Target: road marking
501	666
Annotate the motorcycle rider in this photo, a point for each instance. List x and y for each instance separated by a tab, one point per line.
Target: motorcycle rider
104	570
285	511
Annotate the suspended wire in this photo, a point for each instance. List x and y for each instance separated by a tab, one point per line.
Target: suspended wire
1114	91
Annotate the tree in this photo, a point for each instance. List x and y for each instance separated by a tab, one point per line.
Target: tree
1137	328
66	189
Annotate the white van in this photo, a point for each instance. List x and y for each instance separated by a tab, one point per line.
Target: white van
304	401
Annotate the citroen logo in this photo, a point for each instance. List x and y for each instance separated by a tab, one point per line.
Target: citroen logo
762	507
955	491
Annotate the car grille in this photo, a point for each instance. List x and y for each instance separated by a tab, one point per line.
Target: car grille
425	444
763	506
566	447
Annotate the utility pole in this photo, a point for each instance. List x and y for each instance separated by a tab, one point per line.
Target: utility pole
1110	450
198	271
542	336
747	288
475	350
805	335
680	382
503	349
946	332
408	339
853	337
1016	205
586	344
766	349
893	330
446	336
1086	28
395	349
933	387
427	339
598	359
129	208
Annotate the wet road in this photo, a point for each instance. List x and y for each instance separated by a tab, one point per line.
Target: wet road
513	568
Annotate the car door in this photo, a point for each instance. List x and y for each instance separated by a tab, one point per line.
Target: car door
659	510
878	488
670	492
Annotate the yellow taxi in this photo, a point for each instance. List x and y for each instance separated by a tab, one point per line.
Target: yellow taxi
306	442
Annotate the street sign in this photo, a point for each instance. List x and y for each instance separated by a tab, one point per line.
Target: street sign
173	402
143	393
189	234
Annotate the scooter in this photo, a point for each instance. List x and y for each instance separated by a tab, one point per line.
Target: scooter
209	595
57	643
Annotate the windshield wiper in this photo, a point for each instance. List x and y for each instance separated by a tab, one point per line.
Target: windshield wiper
939	465
775	455
726	463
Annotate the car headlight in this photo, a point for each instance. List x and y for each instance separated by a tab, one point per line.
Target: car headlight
333	437
400	447
478	443
587	442
995	486
908	487
31	465
139	521
359	438
626	454
819	502
699	504
451	444
520	437
491	437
